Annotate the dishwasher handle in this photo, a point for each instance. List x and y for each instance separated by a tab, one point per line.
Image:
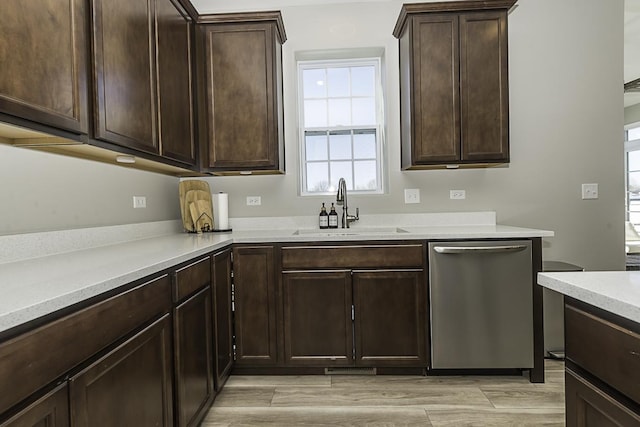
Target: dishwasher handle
478	249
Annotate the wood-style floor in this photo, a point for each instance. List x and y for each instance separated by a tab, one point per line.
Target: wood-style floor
390	401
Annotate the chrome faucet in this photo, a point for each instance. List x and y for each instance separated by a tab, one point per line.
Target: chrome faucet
341	199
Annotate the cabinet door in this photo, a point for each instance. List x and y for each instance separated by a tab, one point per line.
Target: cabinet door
175	102
193	357
124	72
130	386
435	113
317	318
484	86
255	305
223	326
44	64
390	318
243	66
51	410
587	405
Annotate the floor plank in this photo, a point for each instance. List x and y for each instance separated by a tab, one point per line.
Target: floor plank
302	416
245	397
278	380
496	417
442	396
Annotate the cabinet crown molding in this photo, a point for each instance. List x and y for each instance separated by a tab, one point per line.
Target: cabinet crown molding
409	9
226	18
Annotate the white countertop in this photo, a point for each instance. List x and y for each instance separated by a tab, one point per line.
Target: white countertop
70	270
615	291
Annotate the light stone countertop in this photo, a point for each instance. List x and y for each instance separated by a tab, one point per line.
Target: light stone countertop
615	291
72	271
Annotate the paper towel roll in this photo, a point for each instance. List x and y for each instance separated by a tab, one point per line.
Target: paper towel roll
220	211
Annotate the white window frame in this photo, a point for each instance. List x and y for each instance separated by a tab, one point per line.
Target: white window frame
378	128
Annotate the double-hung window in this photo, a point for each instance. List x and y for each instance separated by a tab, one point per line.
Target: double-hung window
340	125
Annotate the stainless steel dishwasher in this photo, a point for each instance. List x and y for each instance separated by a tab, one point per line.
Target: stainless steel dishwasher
481	304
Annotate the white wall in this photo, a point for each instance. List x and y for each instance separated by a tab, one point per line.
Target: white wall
44	192
566	127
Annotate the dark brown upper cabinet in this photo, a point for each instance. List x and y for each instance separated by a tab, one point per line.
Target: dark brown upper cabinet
175	83
142	77
44	65
454	90
241	111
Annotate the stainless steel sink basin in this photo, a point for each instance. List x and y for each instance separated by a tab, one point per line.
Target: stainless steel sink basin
355	231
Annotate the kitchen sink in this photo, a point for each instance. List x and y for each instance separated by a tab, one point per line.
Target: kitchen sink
356	231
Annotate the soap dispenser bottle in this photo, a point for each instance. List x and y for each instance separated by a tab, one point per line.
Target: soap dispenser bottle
333	217
323	219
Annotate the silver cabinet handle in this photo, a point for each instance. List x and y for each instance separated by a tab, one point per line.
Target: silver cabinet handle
475	249
634	353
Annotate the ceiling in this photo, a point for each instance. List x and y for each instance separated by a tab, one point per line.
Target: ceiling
631	26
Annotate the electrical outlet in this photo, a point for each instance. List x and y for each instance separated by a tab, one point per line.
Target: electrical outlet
457	194
412	195
254	200
139	202
589	191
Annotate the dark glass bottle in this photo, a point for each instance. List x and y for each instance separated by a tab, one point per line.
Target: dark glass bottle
333	217
323	219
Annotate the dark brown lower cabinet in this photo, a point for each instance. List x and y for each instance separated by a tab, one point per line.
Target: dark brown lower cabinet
389	321
129	386
223	322
317	318
255	305
588	405
193	357
51	410
602	380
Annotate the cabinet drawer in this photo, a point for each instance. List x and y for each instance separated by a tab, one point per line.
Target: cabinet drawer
608	351
361	256
32	360
191	278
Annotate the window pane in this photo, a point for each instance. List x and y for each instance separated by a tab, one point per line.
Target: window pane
363	81
364	111
634	160
339	112
341	170
365	175
634	185
634	134
634	217
339	146
364	145
338	81
316	148
315	85
315	113
317	176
